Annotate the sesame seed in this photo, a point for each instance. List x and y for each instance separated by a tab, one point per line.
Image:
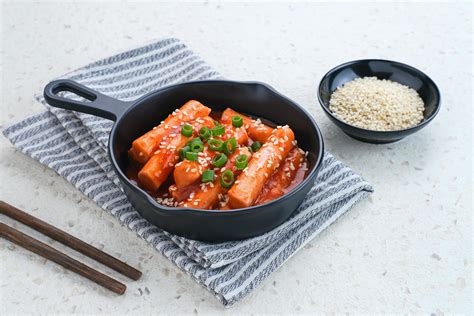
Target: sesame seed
376	104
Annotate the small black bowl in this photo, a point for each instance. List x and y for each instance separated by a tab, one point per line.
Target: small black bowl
382	69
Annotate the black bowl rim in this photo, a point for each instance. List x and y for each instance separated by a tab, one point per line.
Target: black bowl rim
416	127
312	174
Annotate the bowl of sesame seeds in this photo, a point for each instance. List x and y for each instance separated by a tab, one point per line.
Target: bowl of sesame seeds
378	101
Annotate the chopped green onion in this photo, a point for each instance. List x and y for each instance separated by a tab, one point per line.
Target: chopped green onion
205	133
241	162
183	151
187	130
194	140
219	160
237	121
208	176
218	130
227	179
215	144
256	146
230	145
196	147
191	156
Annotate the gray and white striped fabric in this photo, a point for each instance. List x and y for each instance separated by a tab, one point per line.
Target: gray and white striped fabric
74	145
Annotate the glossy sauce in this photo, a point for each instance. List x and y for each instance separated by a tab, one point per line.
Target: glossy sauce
163	192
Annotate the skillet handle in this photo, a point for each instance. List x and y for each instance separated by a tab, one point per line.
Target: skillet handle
99	105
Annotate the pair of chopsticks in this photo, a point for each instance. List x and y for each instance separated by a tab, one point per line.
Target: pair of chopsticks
60	258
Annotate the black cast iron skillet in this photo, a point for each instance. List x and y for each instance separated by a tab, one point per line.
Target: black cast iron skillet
132	119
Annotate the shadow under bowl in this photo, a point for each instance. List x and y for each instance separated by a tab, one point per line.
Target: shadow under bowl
382	69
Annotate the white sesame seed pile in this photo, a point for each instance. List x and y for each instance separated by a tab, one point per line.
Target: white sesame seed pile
374	104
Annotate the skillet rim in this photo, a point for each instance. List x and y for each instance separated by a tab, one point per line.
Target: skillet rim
123	178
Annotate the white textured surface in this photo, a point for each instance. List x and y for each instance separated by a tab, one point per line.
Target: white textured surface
408	248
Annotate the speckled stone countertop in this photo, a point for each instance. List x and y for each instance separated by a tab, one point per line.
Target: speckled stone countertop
407	249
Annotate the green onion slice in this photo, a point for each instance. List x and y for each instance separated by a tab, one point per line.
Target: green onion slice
218	130
187	130
183	151
194	140
205	133
237	121
230	145
256	146
191	156
227	179
241	162
215	144
196	147
219	160
207	176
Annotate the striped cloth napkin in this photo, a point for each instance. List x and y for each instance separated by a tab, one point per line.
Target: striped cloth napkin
75	146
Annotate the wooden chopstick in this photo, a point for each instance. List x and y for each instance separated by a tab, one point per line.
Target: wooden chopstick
69	240
52	254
